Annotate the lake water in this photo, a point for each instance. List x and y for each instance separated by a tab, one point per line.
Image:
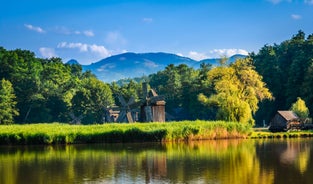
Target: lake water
218	162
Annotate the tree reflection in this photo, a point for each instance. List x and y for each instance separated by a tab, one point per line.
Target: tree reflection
222	161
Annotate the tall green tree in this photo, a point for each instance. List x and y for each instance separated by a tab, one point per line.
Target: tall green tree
238	88
91	99
179	84
300	108
7	103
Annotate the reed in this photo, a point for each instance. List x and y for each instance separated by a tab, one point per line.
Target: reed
58	133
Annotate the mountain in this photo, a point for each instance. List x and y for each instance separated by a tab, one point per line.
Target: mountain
216	61
131	65
72	62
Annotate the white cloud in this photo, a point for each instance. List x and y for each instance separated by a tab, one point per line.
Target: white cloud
296	17
150	64
62	30
98	49
197	56
216	53
82	47
67	31
147	20
34	28
47	52
227	52
106	67
180	54
115	38
88	33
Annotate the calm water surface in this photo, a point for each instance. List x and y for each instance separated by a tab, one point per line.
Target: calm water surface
224	161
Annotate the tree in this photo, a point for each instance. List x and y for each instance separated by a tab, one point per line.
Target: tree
300	108
7	103
238	89
287	69
179	84
91	99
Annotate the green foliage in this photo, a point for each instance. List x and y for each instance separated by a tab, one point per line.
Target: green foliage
108	133
45	88
180	85
238	88
91	99
300	108
287	70
7	103
280	135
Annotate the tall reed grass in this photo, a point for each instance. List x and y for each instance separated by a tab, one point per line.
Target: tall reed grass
58	133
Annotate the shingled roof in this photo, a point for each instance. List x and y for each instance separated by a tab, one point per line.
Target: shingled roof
288	115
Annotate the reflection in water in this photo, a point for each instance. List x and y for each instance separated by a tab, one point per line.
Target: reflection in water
291	159
223	161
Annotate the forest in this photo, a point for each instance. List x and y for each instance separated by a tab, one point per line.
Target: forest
250	90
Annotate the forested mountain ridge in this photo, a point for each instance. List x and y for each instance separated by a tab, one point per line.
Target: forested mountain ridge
131	65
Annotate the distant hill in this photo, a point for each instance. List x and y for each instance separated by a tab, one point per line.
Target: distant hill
131	65
72	62
216	61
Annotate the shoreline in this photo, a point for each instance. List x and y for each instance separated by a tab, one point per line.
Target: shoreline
58	133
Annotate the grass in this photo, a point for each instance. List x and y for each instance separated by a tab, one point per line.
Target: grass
265	133
58	133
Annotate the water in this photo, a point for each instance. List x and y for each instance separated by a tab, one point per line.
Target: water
217	162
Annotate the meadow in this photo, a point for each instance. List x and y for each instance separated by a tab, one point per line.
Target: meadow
58	133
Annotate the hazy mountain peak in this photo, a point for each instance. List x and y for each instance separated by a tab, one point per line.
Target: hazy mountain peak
72	62
131	65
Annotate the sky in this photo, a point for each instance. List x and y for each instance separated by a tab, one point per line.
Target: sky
90	30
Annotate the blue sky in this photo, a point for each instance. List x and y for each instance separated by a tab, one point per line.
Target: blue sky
91	30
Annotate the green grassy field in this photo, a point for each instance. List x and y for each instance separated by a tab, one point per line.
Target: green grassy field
57	133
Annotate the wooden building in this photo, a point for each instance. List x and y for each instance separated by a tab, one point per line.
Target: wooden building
284	121
153	108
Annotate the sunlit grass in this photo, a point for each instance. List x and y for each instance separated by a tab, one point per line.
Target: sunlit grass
264	133
58	133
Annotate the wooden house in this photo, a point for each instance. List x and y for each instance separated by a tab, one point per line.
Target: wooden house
284	121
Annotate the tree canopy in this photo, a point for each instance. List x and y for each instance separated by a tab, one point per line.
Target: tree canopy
287	69
238	88
7	103
300	108
45	89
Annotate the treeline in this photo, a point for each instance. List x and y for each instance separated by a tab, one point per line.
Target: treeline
36	90
287	69
249	90
226	92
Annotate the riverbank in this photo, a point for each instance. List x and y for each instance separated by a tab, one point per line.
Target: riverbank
57	133
261	133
